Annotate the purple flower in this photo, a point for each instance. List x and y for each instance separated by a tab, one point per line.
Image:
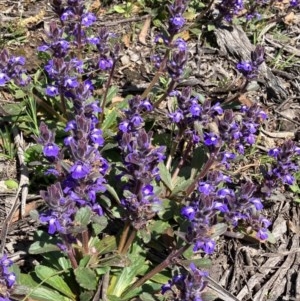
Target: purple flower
51	150
147	190
53	223
210	139
123	126
88	19
205	188
262	234
208	246
176	117
257	203
274	152
188	212
79	170
195	110
105	63
96	136
288	179
181	44
52	91
3	78
177	21
245	67
294	3
71	83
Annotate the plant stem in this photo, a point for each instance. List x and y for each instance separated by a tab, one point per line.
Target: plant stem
129	241
124	236
163	97
63	102
182	161
47	108
85	241
158	73
174	148
101	116
70	251
169	260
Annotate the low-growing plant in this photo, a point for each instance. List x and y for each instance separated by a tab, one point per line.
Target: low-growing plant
127	215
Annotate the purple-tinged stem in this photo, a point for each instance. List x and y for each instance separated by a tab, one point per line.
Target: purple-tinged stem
101	115
182	161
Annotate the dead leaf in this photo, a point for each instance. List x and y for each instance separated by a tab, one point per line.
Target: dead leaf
245	100
185	35
144	31
126	40
289	18
29	207
117	99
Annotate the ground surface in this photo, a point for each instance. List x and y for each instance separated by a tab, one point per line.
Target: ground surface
246	269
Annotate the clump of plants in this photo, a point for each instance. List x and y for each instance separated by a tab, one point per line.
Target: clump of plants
136	207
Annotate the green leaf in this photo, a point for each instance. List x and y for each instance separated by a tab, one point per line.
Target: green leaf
86	296
113	193
145	235
83	216
211	27
196	31
112	91
209	296
100	221
105	245
11	184
295	188
64	263
40	247
181	185
218	229
165	176
202	263
20	290
110	119
42	293
160	278
271	238
199	158
146	297
86	278
119	9
50	277
158	227
121	282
